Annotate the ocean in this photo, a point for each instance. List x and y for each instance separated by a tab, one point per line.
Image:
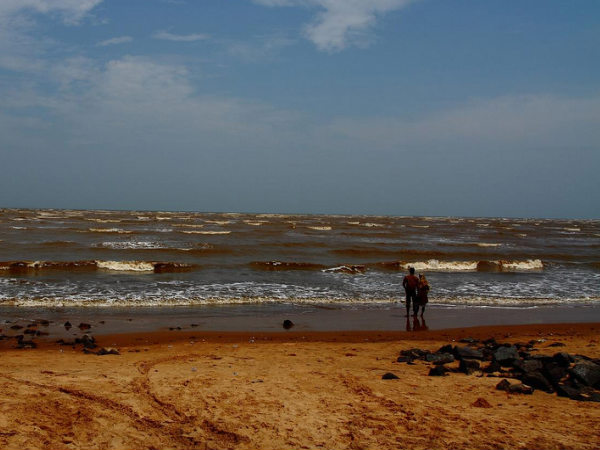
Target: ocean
72	258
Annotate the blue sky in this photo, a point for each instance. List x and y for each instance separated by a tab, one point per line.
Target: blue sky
423	107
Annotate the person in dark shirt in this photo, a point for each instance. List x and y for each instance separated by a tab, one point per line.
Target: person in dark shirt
410	283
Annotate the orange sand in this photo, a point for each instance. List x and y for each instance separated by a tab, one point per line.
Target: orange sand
185	390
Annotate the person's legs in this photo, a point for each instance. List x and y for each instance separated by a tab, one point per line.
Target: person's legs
408	298
422	310
415	306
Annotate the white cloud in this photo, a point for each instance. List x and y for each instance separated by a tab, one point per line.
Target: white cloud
72	11
340	23
260	48
20	50
166	36
115	40
509	123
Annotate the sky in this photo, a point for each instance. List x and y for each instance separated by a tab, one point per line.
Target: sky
382	107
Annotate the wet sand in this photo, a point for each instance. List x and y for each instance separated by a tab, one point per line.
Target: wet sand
198	388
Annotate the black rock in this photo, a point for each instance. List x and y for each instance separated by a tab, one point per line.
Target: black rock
389	376
537	380
438	371
287	324
554	372
84	326
43	322
405	359
587	373
469	340
557	344
415	353
467	352
107	351
68	325
468	366
531	365
580	393
26	344
562	359
503	385
494	366
518	388
445	349
16	327
491	343
506	355
87	341
30	331
439	358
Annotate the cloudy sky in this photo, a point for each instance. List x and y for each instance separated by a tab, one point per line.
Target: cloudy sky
401	107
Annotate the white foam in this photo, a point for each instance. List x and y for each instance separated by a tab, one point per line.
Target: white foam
530	264
109	230
443	266
218	222
132	245
205	232
572	229
126	266
488	244
371	225
323	228
105	220
188	225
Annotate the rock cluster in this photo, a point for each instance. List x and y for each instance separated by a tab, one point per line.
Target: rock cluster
574	376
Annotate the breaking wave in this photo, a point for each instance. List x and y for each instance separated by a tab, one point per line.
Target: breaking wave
92	265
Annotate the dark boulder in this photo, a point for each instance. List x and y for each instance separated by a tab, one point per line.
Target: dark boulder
389	376
68	325
469	340
287	324
491	343
87	341
587	373
438	371
16	327
415	353
531	365
537	380
469	366
107	351
562	359
405	359
506	355
84	326
554	372
580	393
467	352
445	349
492	367
517	388
439	358
556	344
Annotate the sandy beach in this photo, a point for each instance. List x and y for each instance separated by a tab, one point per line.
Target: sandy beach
277	390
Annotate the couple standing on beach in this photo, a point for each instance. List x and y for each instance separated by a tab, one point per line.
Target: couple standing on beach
416	290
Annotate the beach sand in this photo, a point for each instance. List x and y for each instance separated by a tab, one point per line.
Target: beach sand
287	390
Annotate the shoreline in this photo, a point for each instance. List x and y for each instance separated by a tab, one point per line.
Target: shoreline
269	319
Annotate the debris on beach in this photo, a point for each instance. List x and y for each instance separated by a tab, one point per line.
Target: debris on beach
574	376
287	324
